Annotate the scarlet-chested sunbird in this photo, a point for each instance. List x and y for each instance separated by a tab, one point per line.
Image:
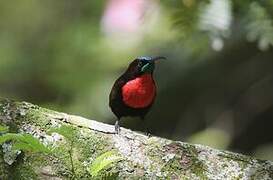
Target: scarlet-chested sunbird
134	92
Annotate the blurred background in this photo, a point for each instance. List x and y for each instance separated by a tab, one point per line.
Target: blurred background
216	88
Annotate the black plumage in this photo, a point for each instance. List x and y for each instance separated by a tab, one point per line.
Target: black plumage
134	70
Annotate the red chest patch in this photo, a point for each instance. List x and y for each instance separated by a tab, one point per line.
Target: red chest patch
139	92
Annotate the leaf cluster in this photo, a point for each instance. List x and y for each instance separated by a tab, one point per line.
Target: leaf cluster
22	141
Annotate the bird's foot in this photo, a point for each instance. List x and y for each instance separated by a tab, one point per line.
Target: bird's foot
117	128
148	134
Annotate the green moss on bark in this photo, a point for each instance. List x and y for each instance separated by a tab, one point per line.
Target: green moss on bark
145	158
3	166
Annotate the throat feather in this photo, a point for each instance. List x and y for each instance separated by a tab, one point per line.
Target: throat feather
139	92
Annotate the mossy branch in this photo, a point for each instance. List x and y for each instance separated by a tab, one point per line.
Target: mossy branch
142	157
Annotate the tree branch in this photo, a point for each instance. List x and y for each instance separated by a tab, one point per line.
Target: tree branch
142	157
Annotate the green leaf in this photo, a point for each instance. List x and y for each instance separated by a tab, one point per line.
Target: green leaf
33	144
22	146
67	131
4	129
25	142
7	137
103	162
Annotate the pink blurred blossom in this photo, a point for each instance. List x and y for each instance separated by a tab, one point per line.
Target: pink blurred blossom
123	16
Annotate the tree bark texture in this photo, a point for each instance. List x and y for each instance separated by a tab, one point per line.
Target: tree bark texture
142	157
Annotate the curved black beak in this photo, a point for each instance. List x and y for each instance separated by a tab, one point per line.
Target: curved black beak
157	58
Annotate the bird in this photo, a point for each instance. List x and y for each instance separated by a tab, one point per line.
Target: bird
134	92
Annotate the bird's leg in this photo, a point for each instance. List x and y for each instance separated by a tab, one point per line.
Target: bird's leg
117	127
146	127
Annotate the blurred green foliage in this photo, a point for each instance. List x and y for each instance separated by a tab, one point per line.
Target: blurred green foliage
218	76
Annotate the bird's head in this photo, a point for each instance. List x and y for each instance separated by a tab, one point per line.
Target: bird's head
144	64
